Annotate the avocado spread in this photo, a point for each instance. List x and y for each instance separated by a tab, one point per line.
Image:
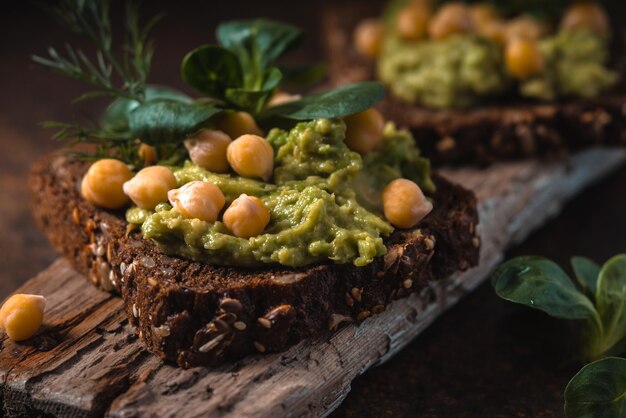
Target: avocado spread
321	202
466	69
575	67
458	71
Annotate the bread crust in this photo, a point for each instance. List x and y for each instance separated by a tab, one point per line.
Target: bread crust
194	314
507	129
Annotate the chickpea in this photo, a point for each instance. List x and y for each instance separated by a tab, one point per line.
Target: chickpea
208	150
404	203
451	19
523	58
21	316
235	124
150	185
148	154
364	130
586	15
103	182
426	4
525	27
251	156
494	31
412	23
281	97
368	37
483	14
198	200
247	216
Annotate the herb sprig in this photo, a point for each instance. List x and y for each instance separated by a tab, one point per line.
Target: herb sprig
240	73
598	299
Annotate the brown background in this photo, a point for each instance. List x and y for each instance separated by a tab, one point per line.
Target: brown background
484	358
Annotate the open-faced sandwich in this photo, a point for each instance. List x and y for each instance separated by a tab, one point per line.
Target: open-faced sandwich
248	219
480	81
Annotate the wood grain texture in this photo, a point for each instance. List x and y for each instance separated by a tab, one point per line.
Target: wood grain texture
87	360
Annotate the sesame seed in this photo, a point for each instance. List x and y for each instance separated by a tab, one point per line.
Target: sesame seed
357	293
430	244
378	309
264	322
76	216
349	300
476	242
407	283
362	315
152	282
211	344
135	311
162	331
240	325
259	346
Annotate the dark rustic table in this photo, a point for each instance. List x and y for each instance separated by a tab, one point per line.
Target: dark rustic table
484	358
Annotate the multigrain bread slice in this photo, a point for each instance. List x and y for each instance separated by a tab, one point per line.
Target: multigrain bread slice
198	314
507	129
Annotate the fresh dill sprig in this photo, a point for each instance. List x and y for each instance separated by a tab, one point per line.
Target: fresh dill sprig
126	77
121	73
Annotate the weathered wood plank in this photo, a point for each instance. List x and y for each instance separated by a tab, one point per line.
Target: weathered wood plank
88	362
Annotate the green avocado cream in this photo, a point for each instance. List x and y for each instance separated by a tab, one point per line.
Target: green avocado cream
575	67
320	200
456	72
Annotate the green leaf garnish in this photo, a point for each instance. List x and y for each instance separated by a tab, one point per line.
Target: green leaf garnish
302	76
239	74
167	121
343	101
115	117
212	70
598	390
258	43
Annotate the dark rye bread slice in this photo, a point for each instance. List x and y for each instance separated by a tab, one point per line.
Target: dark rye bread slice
198	314
508	129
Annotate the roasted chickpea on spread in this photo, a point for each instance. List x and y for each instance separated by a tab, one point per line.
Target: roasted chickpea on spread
326	189
458	55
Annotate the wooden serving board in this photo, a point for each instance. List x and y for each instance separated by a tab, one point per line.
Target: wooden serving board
87	361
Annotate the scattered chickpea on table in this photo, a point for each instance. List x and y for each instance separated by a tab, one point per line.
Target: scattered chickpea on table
21	316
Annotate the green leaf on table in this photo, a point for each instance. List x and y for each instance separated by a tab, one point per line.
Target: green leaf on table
541	284
212	70
115	117
586	272
343	101
258	42
611	298
167	121
598	390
